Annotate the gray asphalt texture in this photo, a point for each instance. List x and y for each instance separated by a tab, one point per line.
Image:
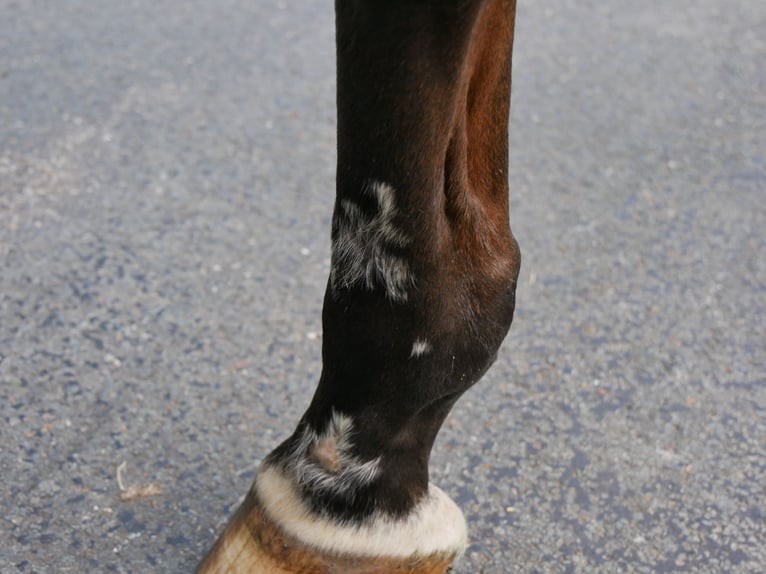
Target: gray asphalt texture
166	182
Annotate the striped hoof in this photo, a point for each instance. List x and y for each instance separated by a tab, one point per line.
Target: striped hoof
273	532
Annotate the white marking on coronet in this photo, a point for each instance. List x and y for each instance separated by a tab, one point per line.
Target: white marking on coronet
420	347
435	525
361	248
325	462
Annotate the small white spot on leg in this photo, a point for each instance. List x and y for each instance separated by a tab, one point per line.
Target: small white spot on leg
420	347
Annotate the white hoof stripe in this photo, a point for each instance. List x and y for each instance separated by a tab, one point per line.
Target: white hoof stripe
435	525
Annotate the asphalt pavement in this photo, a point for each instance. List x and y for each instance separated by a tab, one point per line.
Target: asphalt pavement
166	182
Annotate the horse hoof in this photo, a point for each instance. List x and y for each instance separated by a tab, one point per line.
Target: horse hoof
253	543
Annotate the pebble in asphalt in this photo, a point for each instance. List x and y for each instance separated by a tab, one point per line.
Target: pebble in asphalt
166	177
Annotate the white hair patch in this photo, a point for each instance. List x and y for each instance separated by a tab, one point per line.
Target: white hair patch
324	463
361	253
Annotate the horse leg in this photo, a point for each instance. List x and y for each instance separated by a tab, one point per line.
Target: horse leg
420	295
